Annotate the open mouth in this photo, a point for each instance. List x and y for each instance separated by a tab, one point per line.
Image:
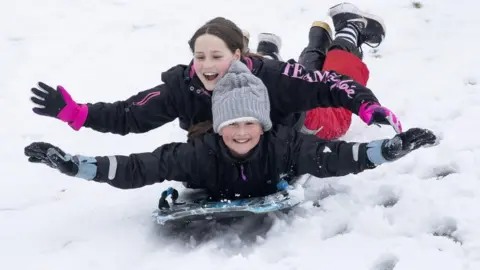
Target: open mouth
241	141
210	76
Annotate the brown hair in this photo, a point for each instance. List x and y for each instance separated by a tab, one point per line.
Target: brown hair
224	29
198	130
232	35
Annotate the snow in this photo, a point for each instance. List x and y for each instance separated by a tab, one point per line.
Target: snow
426	71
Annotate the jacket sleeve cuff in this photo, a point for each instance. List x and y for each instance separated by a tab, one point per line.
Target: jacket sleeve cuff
374	152
106	168
80	118
87	166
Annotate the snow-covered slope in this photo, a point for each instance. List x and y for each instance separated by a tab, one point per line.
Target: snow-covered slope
426	71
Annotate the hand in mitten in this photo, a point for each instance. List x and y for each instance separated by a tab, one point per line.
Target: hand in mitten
382	151
59	104
373	113
77	166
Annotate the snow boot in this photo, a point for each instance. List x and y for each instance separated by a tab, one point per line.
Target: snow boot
319	40
371	28
246	41
269	46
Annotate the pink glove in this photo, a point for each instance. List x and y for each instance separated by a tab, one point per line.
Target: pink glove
374	113
59	104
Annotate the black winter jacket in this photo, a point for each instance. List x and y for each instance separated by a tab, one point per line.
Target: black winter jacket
207	163
292	90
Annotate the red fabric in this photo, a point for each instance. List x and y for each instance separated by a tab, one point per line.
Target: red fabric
336	121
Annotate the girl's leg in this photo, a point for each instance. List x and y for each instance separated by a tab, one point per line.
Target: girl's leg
353	29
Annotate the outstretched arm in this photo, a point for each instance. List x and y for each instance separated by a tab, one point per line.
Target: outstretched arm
140	113
296	89
174	161
292	88
311	155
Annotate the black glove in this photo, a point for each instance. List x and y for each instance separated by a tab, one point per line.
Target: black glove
405	142
40	152
51	101
382	151
78	166
59	104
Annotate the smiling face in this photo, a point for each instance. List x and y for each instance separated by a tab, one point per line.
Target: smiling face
212	58
241	137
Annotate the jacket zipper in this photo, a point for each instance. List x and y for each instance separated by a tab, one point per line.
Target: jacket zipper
242	172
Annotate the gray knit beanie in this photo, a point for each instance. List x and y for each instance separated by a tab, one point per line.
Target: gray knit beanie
240	96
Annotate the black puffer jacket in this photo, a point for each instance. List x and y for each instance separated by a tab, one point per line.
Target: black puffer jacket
207	163
291	88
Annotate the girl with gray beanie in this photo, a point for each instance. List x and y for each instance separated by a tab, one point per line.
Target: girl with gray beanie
245	157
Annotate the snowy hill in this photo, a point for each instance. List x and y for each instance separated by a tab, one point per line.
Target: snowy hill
418	213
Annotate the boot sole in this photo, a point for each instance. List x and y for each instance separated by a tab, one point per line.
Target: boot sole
323	25
246	34
272	38
350	8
